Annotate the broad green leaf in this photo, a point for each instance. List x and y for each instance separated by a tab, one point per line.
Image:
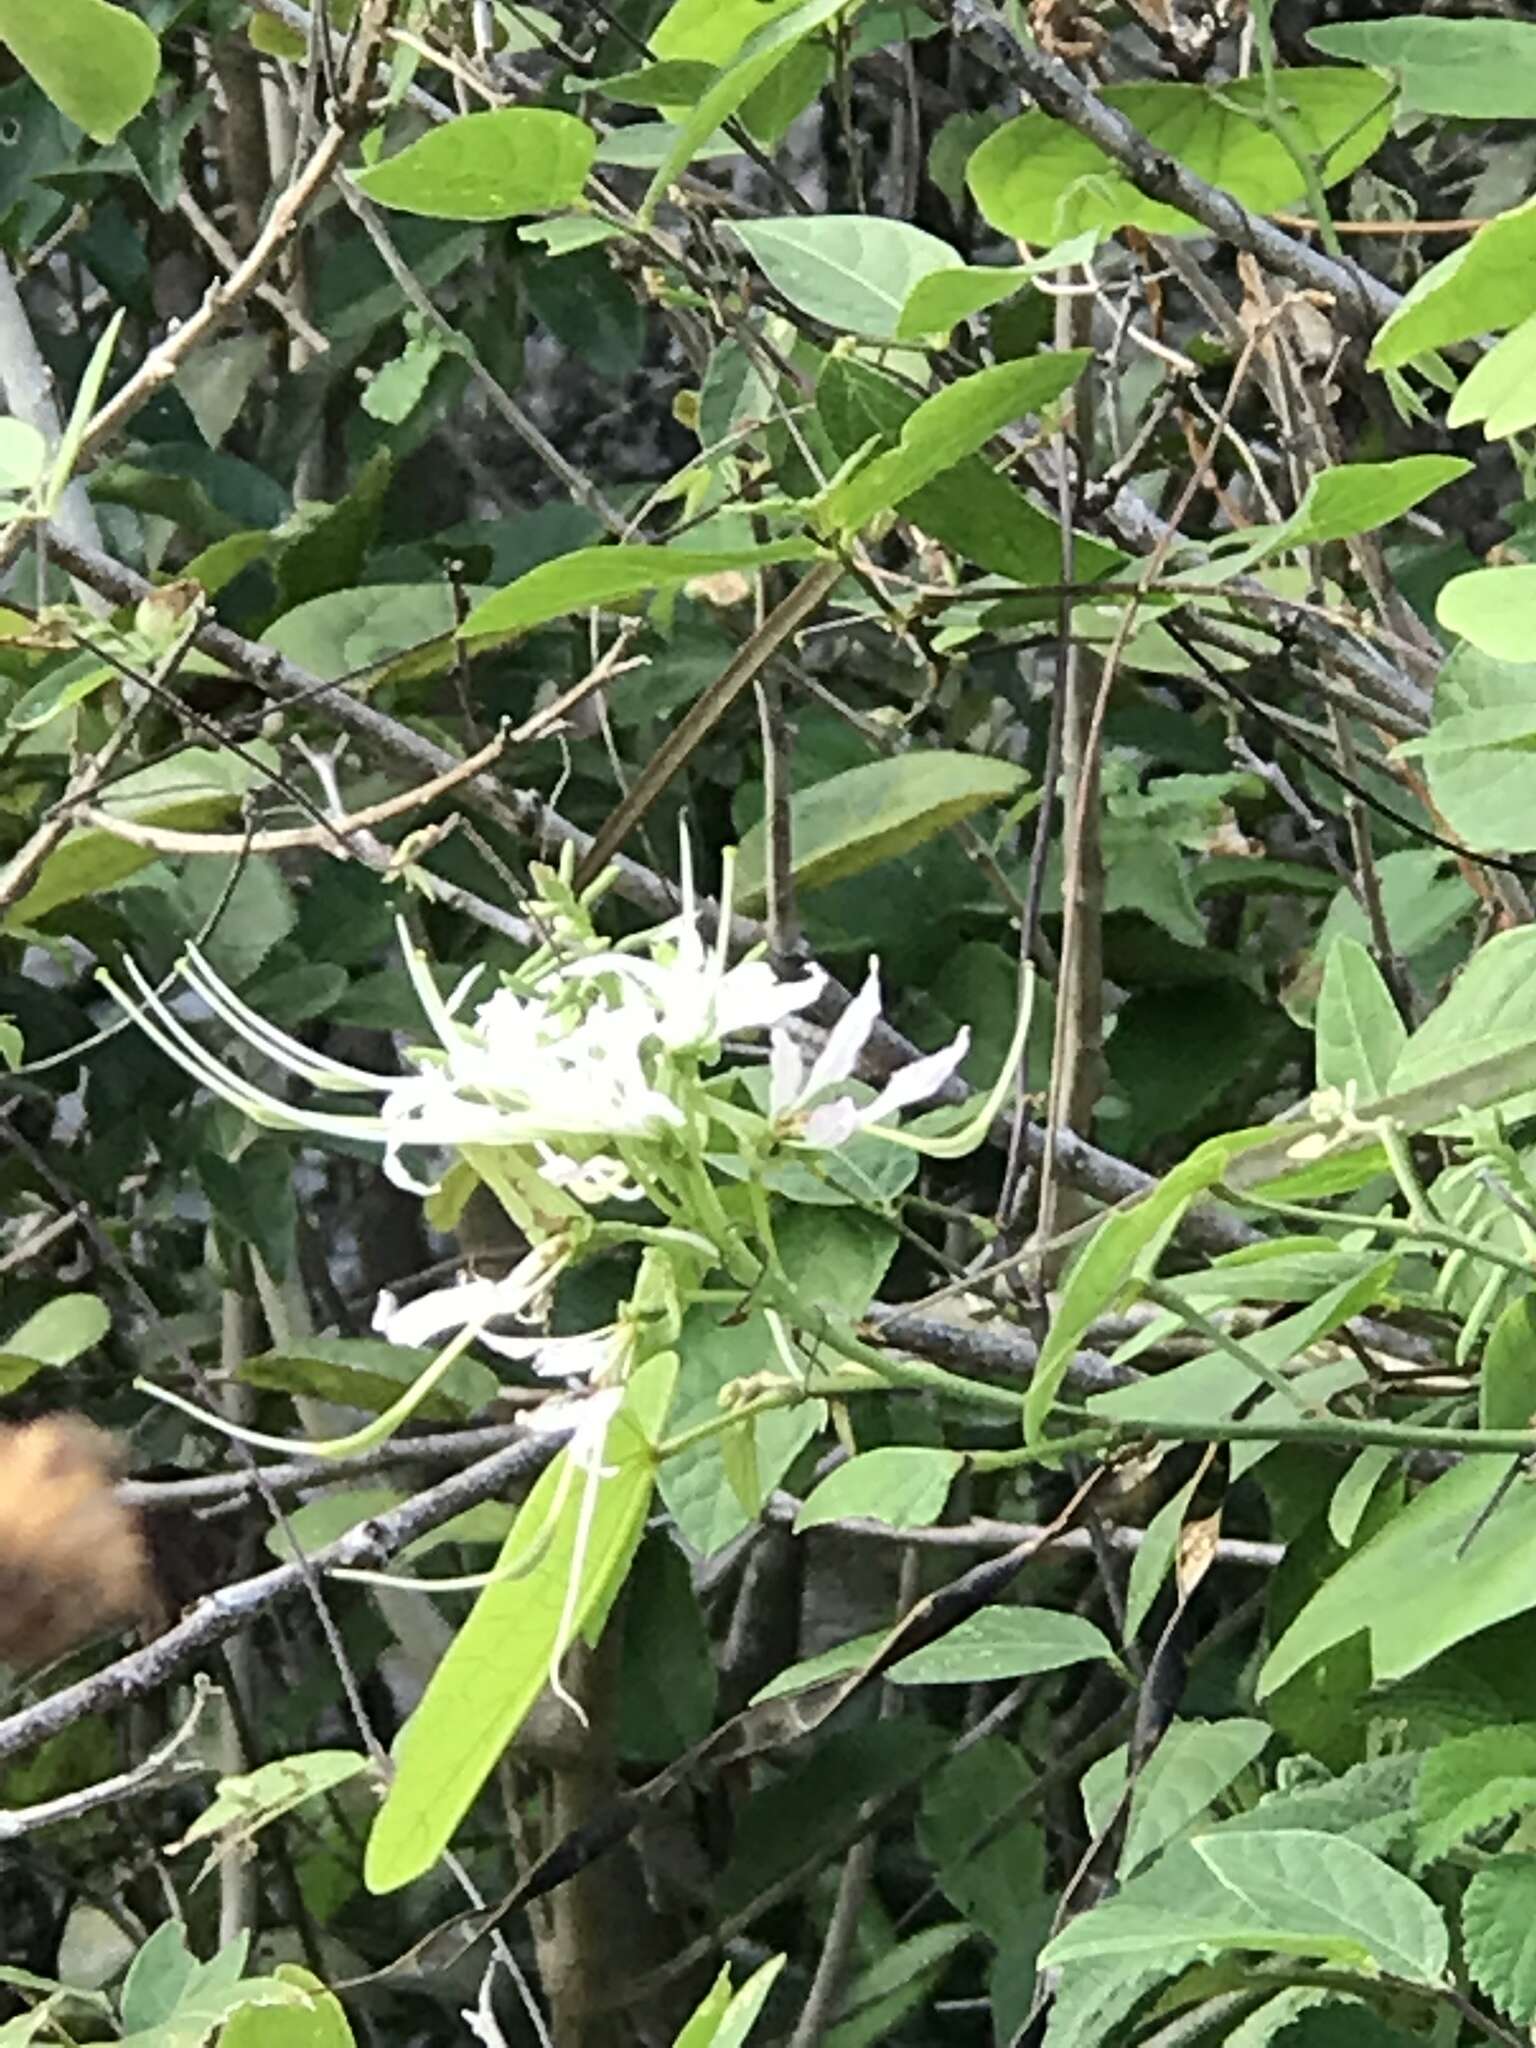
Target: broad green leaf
399	630
1004	1642
1186	1774
565	1559
23	455
712	31
1497	1919
96	62
1482	70
1477	754
487	166
612	576
851	271
944	430
1287	1892
243	1805
194	791
1154	1558
946	296
365	1372
1485	286
972	508
1355	1491
1357	497
1471	1782
61	1329
1487	1013
988	1858
1507	1381
1039	180
1123	1248
826	1664
834	1257
1412	1589
1501	389
903	1485
866	815
321	2023
753	64
1495	609
1360	1036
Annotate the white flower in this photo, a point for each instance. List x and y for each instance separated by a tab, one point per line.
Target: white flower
689	996
586	1416
522	1295
793	1092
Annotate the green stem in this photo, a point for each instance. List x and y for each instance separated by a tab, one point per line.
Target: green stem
1194	1319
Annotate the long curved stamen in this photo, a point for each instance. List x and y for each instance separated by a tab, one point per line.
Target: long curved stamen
318	1068
158	1022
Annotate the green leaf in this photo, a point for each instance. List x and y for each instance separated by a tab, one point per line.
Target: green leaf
903	1485
727	2024
1287	1892
1477	754
1360	1036
881	1995
1482	70
1469	1783
1486	285
1004	1642
946	296
1039	180
322	2023
1487	1013
851	271
712	31
242	1806
972	508
499	1662
61	1330
1498	1927
194	791
1506	1388
1124	1246
1154	1558
1409	1590
987	1859
365	1372
946	428
826	1664
855	820
835	1258
752	65
1501	389
1357	497
1193	1765
487	166
612	576
23	456
1355	1491
96	62
1495	609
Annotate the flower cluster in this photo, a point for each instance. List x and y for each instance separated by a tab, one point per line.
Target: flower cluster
579	1081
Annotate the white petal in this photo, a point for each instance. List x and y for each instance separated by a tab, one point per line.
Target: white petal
832	1124
557	1358
753	998
786	1073
447	1309
846	1040
918	1079
587	1416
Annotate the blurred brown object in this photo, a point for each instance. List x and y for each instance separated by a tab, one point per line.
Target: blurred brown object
73	1559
